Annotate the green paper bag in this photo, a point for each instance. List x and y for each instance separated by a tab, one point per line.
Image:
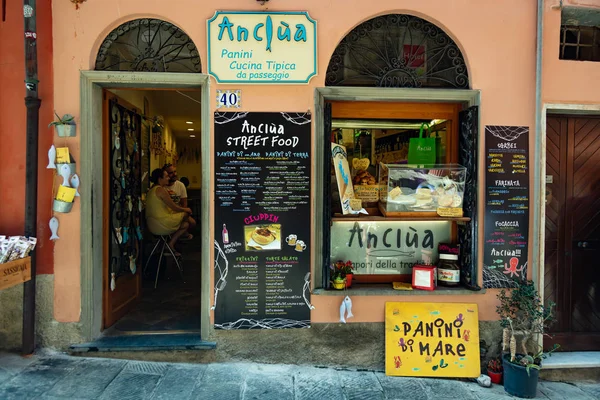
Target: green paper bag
422	150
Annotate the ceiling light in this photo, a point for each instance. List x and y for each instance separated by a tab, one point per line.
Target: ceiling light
190	129
192	135
189	122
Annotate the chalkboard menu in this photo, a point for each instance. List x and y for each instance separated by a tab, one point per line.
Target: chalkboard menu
507	206
262	220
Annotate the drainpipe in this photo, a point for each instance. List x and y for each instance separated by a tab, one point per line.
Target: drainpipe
32	102
539	179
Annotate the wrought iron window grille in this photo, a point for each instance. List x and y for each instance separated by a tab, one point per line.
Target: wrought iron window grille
397	50
580	43
148	45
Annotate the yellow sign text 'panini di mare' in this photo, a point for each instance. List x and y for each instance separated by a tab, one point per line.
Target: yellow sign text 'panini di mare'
262	47
432	339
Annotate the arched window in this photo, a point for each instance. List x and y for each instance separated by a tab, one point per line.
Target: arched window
148	45
397	50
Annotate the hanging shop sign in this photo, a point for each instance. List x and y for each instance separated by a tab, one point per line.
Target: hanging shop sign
507	206
262	238
262	47
388	247
432	339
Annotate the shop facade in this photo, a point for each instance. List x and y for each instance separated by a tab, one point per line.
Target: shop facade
490	81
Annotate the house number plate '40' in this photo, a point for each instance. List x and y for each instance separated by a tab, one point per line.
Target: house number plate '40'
229	98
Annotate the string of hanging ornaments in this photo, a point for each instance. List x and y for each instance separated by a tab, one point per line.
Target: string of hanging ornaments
77	3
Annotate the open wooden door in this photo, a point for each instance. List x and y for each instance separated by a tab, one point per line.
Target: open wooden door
122	207
572	241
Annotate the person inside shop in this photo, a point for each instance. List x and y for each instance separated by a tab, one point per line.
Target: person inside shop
163	215
178	192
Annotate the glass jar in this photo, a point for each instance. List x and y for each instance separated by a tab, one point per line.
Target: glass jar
448	270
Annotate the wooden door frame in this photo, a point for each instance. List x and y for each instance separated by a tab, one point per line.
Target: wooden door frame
559	109
322	95
92	261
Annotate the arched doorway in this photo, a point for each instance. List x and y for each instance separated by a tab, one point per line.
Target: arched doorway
154	120
148	45
397	50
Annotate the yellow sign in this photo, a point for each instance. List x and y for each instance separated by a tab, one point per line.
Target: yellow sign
262	47
432	339
66	194
62	155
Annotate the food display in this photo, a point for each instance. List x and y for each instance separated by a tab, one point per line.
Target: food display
416	188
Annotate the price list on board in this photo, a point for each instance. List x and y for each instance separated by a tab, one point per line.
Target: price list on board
506	205
262	220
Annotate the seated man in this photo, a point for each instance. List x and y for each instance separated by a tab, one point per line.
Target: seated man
178	193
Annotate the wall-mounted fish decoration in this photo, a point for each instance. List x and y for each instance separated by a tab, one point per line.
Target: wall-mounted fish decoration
113	283
75	184
346	309
51	157
53	228
140	206
119	237
65	172
138	231
125	234
348	303
122	180
132	266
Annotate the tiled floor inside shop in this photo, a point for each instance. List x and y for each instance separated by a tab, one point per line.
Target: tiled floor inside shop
175	304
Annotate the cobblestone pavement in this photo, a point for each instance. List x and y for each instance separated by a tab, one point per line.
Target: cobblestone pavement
58	376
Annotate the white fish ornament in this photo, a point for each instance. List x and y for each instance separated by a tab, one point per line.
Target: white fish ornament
113	283
119	237
53	228
75	184
348	303
132	265
65	172
343	311
51	157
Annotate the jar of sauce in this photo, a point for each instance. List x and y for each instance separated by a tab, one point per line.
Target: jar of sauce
448	270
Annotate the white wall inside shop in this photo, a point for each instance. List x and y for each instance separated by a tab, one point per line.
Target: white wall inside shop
189	161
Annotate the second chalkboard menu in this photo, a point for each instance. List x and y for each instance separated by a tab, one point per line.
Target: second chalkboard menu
262	220
507	206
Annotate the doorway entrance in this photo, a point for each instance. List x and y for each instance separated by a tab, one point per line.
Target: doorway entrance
147	287
572	230
93	259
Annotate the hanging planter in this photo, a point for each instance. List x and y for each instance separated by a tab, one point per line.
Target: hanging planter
62	206
65	126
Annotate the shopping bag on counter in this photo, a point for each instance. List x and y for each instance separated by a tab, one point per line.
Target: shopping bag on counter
422	150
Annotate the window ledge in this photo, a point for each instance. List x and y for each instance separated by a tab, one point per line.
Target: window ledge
365	289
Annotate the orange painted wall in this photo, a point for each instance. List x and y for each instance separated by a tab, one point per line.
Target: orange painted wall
565	81
498	40
13	123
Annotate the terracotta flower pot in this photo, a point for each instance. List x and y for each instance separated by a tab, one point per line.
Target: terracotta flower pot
349	280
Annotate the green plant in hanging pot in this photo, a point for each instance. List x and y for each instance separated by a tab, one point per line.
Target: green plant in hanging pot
64	126
523	315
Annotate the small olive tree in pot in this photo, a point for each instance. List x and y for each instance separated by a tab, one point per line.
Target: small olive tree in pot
523	315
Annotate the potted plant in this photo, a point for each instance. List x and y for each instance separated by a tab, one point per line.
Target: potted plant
345	270
523	314
494	370
339	277
65	126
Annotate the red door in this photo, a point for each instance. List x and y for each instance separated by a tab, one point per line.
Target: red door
572	242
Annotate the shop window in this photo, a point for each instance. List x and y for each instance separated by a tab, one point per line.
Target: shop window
148	45
580	43
398	234
397	50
